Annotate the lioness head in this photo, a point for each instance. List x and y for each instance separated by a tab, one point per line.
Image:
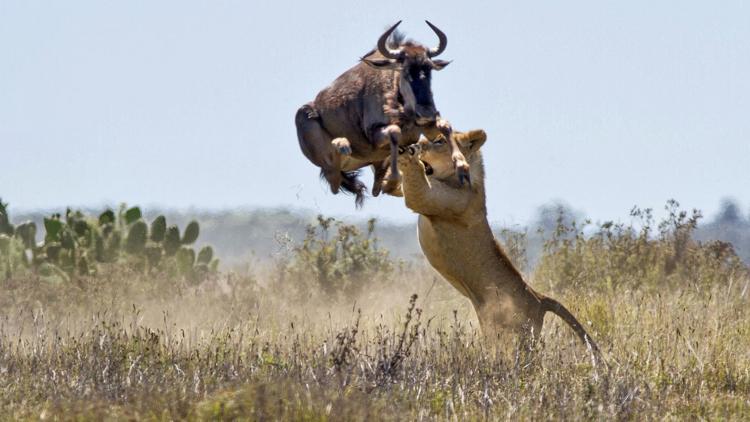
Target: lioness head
436	154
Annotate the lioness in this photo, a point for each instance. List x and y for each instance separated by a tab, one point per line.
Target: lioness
457	240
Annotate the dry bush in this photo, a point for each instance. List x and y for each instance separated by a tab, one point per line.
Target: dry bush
336	260
642	254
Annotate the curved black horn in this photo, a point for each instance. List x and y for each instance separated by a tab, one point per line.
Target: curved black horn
383	48
433	52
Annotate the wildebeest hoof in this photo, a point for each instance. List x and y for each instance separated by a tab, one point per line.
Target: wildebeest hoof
312	113
342	145
391	185
444	126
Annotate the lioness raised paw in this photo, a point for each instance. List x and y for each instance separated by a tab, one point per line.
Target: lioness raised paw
409	158
462	170
413	149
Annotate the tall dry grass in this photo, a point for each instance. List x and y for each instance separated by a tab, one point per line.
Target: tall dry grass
275	344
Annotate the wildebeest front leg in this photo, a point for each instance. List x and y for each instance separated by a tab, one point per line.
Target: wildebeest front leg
392	133
379	170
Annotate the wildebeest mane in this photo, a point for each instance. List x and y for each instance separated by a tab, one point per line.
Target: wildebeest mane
396	39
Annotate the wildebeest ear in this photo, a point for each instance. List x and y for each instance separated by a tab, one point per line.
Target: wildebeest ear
438	64
381	63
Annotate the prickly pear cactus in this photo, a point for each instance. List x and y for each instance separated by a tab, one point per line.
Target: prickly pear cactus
171	240
191	233
154	254
52	226
132	215
137	237
76	245
5	243
158	228
107	217
67	238
205	255
185	258
52	250
112	247
5	227
81	228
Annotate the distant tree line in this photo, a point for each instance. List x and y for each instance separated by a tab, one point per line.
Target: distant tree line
241	235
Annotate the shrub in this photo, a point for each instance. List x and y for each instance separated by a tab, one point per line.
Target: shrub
641	253
336	259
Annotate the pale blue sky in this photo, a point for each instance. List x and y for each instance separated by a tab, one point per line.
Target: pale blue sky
191	103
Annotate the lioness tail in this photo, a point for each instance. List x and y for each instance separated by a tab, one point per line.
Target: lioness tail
551	305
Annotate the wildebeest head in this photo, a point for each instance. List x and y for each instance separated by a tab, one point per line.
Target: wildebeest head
415	63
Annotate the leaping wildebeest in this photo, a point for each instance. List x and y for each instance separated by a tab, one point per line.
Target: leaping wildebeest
370	111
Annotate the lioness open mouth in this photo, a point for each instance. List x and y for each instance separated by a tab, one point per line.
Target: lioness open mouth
428	169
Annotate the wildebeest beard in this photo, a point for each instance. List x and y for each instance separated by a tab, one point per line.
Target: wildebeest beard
416	98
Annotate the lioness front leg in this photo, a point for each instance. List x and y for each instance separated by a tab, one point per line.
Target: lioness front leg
459	161
428	197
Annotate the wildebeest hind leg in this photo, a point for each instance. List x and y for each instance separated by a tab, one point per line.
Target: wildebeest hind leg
315	143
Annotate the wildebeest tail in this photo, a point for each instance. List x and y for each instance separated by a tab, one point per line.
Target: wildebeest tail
551	305
352	184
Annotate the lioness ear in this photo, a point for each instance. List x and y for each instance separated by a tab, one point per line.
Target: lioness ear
471	140
383	64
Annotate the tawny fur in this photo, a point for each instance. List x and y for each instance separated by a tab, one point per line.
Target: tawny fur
457	240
